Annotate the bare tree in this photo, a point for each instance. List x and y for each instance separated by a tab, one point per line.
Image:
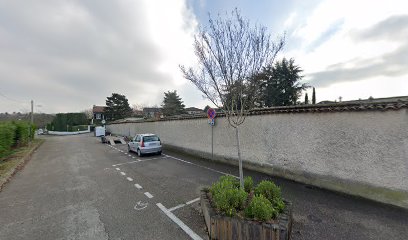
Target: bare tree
88	112
229	53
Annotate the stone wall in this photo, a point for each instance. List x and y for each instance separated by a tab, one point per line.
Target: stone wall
364	153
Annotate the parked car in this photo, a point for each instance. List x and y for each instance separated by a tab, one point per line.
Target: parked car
145	143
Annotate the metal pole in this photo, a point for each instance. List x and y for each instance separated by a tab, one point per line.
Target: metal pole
241	174
212	141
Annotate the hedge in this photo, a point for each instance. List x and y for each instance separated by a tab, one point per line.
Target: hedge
65	122
14	134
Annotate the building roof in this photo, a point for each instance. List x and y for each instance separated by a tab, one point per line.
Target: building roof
98	109
193	109
351	106
145	110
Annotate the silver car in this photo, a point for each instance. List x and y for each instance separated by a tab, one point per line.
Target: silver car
145	143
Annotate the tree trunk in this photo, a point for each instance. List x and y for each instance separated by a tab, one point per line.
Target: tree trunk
241	174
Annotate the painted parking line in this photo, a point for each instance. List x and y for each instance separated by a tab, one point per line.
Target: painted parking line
129	179
117	168
138	186
124	163
148	159
124	174
184	204
176	220
138	160
197	165
148	195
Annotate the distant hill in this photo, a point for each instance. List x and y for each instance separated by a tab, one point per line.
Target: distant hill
40	119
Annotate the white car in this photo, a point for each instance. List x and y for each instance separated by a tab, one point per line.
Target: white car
145	143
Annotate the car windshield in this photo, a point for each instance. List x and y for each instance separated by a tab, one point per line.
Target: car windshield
151	138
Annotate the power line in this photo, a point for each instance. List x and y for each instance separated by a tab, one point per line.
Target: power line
11	99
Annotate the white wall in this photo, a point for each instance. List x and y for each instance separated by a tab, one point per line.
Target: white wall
362	153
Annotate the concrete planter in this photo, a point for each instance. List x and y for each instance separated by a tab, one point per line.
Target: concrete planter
223	227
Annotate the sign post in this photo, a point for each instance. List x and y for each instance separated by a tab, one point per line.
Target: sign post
211	115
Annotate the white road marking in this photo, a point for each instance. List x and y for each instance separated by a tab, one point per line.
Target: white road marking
129	179
148	195
138	160
192	201
176	207
148	159
133	157
183	204
123	173
126	163
117	169
140	205
176	220
138	186
181	160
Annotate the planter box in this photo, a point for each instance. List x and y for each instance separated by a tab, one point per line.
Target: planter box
223	227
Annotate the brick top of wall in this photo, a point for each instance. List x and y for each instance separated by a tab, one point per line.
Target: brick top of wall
317	108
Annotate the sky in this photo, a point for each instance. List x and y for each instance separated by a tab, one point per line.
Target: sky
70	55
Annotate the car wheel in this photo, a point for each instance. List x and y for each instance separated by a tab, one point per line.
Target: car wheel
139	153
159	153
129	148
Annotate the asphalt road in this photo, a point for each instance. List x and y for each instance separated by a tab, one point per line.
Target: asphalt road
77	188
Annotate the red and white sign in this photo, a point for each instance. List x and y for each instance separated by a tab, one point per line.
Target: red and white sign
211	113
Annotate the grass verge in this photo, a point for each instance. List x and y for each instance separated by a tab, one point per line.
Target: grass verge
10	164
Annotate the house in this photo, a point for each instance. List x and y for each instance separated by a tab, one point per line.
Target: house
155	113
193	110
98	113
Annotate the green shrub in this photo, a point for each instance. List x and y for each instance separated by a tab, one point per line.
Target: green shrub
7	137
14	134
248	184
227	196
22	136
272	192
260	208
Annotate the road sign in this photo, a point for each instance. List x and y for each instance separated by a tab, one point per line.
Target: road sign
211	113
211	122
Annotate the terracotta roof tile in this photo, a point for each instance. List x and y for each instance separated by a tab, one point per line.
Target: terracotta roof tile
318	108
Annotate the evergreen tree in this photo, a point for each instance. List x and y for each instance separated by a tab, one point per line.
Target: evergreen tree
172	104
206	108
314	96
117	107
306	99
279	85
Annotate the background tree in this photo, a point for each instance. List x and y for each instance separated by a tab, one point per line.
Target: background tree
229	53
137	110
314	96
88	113
206	108
117	107
172	104
306	99
66	121
279	84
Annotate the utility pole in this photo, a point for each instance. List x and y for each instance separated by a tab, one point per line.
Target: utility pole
32	112
31	121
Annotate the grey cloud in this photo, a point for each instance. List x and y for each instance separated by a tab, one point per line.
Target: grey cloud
392	28
390	65
71	54
326	35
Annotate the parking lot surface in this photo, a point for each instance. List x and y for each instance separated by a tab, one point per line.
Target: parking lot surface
78	188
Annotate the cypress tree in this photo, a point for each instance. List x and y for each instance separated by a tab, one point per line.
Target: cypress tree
306	99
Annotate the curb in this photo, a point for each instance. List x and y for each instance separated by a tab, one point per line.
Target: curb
20	166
